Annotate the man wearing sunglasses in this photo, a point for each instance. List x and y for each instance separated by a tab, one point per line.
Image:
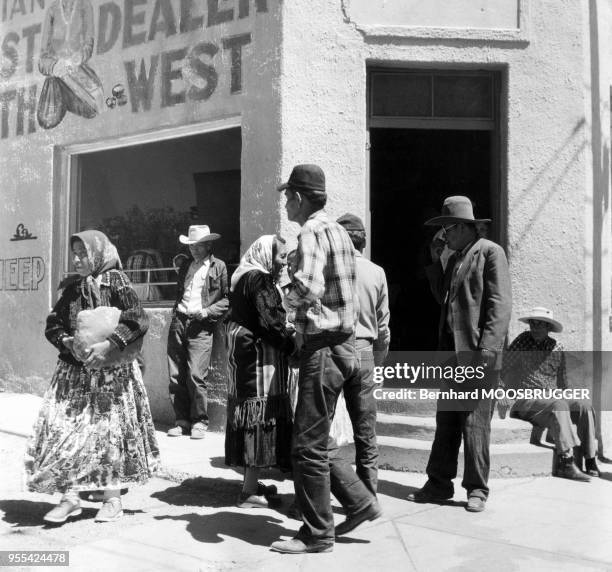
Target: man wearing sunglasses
475	297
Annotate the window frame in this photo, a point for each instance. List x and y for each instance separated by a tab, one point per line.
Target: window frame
66	169
429	122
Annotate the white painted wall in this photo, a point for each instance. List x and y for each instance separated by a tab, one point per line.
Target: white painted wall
546	121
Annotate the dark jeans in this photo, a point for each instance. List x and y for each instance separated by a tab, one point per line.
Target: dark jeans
361	407
327	363
474	426
189	347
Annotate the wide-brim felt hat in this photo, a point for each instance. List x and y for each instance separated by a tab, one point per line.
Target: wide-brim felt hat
455	210
544	315
198	233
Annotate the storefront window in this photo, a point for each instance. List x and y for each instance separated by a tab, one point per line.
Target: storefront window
145	196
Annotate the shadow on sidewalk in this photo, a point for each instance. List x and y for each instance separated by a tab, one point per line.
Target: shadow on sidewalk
392	489
30	513
604	476
256	529
201	491
272	473
401	492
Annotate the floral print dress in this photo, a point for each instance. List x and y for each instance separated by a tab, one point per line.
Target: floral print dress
94	430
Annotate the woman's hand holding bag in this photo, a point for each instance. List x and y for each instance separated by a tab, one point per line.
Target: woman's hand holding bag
91	344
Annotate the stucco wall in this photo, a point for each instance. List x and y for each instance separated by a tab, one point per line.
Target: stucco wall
545	117
198	55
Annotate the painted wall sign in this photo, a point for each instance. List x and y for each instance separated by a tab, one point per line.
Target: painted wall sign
66	47
21	273
22	233
68	50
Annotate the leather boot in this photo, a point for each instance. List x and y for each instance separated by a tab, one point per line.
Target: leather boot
566	469
578	457
591	467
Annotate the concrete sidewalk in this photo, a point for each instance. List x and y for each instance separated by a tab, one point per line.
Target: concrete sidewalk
187	520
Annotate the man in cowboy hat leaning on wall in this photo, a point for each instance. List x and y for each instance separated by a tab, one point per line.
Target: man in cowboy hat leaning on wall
534	360
201	299
475	297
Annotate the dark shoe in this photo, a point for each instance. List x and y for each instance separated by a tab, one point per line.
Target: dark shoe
475	504
591	468
63	511
297	546
246	500
198	430
370	512
267	491
424	496
566	469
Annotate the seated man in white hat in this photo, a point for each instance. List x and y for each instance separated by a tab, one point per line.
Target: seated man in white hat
201	300
534	360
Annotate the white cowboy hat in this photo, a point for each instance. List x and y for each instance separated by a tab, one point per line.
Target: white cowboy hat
198	233
544	315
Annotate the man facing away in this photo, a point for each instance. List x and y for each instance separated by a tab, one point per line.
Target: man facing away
326	313
475	297
535	360
372	339
201	299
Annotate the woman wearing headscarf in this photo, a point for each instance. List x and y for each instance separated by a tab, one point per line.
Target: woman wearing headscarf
94	431
258	431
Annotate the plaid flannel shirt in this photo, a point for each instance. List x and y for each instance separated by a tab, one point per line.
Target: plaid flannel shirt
324	293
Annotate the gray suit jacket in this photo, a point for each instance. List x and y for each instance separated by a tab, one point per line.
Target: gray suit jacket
479	296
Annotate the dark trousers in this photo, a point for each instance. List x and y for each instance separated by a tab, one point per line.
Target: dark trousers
327	363
189	347
361	407
475	428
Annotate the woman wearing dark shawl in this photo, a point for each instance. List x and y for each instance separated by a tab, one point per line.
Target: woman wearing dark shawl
94	431
258	431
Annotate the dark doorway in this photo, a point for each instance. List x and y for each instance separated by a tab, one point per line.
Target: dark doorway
412	170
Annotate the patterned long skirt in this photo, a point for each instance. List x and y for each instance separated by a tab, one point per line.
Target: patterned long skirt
94	431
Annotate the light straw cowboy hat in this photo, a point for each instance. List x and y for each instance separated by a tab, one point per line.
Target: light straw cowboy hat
198	233
544	315
455	209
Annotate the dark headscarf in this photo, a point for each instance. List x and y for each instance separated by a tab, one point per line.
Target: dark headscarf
102	256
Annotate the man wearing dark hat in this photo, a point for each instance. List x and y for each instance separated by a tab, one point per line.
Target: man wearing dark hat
327	309
201	299
535	360
475	298
372	339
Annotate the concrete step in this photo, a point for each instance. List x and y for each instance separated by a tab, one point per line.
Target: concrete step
405	441
508	460
423	428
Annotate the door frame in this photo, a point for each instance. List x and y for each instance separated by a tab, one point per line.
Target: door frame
498	184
